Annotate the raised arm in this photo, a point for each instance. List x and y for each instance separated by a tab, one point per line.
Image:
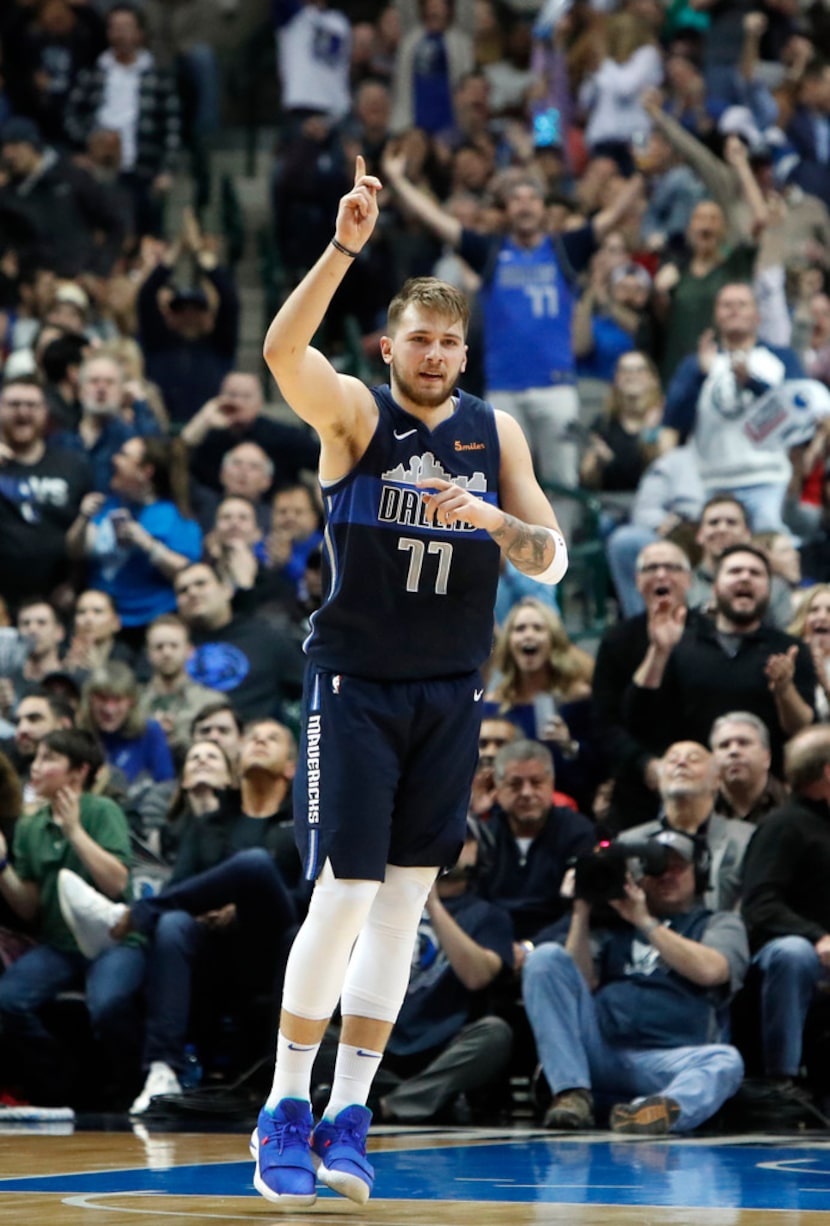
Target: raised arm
416	202
316	392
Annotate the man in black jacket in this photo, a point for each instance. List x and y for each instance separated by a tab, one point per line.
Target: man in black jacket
691	674
787	902
53	212
664	575
528	842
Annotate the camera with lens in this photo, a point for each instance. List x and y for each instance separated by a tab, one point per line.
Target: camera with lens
600	876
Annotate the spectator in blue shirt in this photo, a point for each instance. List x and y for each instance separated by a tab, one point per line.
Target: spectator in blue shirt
139	537
102	430
109	709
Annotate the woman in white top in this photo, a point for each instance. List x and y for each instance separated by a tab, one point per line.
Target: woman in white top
631	63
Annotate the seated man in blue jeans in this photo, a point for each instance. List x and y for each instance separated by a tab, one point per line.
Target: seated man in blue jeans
641	1020
228	905
88	835
787	904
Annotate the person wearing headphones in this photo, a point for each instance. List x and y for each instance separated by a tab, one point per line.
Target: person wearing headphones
688	784
635	1012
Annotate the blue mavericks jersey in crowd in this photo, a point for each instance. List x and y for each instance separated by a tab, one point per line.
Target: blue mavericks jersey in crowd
407	600
528	308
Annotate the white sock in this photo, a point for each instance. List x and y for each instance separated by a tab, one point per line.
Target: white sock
354	1072
292	1074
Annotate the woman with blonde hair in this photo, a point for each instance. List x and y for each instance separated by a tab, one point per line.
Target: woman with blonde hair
623	440
812	624
630	65
543	685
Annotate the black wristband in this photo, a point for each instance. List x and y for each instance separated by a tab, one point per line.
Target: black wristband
4	864
338	246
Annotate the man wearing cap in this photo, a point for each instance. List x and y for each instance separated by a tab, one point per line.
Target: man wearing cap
53	212
637	1012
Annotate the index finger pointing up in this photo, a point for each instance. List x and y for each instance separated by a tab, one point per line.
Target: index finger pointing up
359	168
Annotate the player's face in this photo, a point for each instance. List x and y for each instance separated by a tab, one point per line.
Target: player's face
426	356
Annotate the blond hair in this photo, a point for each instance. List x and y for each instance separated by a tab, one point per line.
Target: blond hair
796	626
567	664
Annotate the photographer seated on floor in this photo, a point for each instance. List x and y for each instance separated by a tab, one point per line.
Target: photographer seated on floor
635	1012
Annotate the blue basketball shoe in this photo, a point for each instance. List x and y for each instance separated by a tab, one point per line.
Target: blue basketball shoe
281	1147
341	1149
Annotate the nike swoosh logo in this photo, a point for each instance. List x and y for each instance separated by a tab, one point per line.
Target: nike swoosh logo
478	695
406	434
372	1055
297	1047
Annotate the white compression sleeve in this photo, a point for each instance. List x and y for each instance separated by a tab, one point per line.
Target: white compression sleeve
320	954
380	965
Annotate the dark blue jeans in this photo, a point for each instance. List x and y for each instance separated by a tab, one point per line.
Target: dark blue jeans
265	915
112	983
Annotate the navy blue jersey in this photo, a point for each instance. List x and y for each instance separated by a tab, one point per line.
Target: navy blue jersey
407	600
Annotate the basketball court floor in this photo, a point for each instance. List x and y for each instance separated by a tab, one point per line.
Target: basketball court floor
60	1175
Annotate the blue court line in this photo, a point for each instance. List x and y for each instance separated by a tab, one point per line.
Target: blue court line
545	1171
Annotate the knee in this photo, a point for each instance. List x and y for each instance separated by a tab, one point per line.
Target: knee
546	962
174	929
499	1039
791	954
402	895
343	904
109	1011
253	862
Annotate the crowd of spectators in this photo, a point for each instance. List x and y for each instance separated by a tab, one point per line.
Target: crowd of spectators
635	198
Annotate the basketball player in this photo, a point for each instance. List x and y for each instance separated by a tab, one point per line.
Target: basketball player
423	487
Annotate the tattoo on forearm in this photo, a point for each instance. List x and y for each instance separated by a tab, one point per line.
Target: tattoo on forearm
528	547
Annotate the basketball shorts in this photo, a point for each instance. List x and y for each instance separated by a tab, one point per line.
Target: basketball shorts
384	772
